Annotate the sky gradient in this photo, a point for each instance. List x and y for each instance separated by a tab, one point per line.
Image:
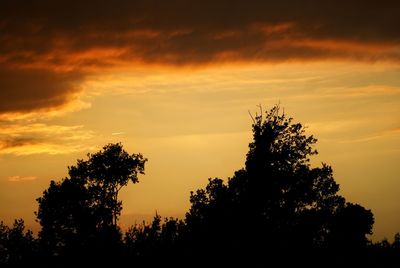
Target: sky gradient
175	81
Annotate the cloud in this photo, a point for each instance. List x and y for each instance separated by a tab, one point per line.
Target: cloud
40	138
21	178
47	48
117	133
24	90
181	32
384	134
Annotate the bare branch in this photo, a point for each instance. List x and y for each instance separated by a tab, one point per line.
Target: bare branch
251	116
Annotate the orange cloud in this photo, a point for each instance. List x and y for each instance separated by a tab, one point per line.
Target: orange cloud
21	178
48	48
40	138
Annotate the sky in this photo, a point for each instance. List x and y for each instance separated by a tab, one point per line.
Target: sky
176	80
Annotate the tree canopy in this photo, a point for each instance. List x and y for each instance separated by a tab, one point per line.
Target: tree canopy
83	209
277	200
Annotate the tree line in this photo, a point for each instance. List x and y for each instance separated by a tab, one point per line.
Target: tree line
276	209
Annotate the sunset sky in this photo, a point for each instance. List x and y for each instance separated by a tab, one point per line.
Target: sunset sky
175	80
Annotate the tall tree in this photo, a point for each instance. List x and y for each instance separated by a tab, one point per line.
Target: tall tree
277	200
84	208
106	172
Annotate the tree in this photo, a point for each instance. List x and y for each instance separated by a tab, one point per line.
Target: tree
277	200
81	212
17	245
106	172
350	225
396	241
144	240
156	243
67	217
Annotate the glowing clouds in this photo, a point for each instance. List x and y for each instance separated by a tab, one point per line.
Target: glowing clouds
48	48
39	138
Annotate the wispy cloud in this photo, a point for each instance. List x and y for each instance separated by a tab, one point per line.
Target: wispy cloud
117	133
45	148
384	134
18	178
40	138
332	127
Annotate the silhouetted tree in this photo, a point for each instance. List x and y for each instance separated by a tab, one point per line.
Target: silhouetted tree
350	225
80	213
384	254
67	217
396	241
143	240
105	173
155	243
277	201
17	245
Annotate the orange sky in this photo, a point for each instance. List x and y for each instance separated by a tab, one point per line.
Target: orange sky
175	82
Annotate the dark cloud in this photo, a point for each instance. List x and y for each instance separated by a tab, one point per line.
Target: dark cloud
6	143
48	39
24	90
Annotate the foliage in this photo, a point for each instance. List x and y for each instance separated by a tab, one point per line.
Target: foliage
81	211
105	173
17	246
277	200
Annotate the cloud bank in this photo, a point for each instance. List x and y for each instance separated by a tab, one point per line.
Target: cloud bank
47	48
